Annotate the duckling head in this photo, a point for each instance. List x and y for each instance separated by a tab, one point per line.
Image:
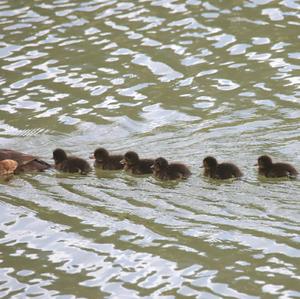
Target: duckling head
101	154
131	158
210	163
59	155
160	164
264	162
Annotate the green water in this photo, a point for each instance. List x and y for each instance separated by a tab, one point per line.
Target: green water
178	79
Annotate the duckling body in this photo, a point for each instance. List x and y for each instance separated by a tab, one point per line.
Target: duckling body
26	163
7	167
104	160
70	163
220	171
173	171
267	168
134	165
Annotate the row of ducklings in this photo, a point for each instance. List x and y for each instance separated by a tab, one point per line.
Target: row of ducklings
162	169
15	162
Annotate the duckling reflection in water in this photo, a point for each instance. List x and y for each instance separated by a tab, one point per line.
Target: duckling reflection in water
221	171
134	165
104	160
267	168
173	171
70	164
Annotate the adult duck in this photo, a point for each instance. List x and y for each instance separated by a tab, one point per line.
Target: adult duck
26	162
8	167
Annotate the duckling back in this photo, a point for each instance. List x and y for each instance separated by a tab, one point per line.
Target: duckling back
144	166
177	171
281	170
74	165
228	171
113	162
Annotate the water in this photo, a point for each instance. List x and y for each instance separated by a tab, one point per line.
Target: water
179	79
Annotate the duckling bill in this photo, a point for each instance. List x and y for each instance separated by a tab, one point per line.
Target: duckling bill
104	160
134	165
221	171
267	168
173	171
70	164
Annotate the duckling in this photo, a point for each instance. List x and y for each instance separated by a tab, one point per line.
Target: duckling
220	171
26	163
267	168
106	161
173	171
134	165
7	167
70	164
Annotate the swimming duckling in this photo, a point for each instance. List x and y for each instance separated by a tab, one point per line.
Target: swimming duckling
26	163
220	171
269	169
106	161
134	165
173	171
70	164
7	167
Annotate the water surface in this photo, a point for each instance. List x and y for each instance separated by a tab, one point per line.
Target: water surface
179	79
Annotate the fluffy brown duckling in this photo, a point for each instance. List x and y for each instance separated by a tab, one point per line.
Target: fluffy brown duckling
106	161
8	167
173	171
220	171
70	163
26	163
267	168
134	165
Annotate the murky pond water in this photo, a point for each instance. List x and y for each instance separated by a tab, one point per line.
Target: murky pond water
179	79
